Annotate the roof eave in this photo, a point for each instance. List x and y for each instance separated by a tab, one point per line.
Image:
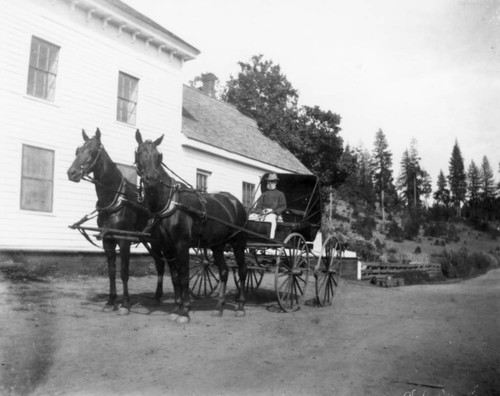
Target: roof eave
163	40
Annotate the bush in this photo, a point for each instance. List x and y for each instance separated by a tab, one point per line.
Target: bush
463	264
365	250
364	227
436	229
395	232
411	228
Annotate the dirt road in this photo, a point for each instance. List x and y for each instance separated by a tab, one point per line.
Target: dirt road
429	339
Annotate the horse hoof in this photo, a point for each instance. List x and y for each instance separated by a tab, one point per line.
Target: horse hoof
123	311
173	317
108	308
183	320
217	314
240	314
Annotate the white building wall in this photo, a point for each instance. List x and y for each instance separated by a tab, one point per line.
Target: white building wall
227	171
90	59
91	56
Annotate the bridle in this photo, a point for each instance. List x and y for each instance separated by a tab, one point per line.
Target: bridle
119	198
148	144
84	171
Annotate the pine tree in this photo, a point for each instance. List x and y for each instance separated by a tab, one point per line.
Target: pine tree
413	180
382	169
473	186
442	194
365	177
456	178
487	180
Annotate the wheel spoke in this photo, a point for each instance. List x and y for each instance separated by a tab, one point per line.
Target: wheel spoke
292	272
204	279
327	271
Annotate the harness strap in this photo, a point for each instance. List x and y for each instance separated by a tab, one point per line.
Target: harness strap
118	200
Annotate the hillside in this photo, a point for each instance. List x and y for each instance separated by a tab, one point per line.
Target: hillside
454	243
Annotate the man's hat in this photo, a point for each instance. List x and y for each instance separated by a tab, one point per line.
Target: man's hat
272	177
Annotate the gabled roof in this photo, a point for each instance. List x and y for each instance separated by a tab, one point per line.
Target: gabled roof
221	125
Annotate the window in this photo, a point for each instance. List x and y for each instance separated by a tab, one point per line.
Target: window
42	72
129	172
126	108
202	180
248	194
37	179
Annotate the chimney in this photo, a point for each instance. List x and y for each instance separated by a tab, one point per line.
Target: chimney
208	80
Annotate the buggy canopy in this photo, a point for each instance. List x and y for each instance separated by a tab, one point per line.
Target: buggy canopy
303	197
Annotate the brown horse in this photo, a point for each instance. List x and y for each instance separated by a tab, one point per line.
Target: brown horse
185	218
118	208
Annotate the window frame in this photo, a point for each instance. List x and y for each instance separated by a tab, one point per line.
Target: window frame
127	98
125	168
38	183
42	79
202	175
247	196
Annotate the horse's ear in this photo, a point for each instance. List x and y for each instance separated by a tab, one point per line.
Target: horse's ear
85	137
157	142
98	134
138	137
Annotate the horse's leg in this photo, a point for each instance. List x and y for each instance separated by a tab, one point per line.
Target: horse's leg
183	268
239	253
223	274
174	275
110	252
124	272
160	271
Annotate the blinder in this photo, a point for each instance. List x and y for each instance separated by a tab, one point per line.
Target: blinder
86	170
136	160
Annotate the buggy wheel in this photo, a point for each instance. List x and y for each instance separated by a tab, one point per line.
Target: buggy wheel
292	272
255	273
204	277
327	271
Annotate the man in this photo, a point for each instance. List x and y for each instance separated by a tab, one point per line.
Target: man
270	204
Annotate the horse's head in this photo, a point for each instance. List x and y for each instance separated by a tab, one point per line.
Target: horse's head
86	157
148	159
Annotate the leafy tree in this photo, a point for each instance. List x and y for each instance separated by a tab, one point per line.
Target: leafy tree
457	178
347	164
358	185
442	194
262	91
382	169
319	146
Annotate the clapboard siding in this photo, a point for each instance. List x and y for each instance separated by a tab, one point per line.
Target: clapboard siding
91	56
90	59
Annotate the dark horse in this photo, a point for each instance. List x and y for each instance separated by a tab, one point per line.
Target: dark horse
184	218
118	208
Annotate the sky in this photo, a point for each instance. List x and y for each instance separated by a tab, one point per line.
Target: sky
427	70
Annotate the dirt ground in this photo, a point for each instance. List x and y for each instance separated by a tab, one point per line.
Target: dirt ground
441	339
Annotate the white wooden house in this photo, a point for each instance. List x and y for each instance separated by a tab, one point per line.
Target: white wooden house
68	65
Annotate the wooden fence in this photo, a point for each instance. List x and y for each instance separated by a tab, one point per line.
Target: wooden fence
382	270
